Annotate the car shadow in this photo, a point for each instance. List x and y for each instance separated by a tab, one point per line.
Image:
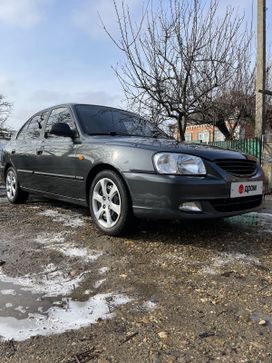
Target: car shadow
35	200
250	233
246	234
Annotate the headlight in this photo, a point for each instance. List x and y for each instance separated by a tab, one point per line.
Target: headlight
181	164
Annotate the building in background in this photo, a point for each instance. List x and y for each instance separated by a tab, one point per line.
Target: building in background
5	134
208	133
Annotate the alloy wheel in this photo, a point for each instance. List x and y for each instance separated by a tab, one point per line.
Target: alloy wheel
106	202
11	185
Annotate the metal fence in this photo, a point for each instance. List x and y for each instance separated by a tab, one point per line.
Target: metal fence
249	146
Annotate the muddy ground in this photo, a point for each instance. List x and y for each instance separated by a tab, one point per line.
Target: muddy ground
169	292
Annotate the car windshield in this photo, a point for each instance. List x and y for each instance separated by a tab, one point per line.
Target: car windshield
97	120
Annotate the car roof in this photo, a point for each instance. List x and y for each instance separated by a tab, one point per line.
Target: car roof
72	104
77	104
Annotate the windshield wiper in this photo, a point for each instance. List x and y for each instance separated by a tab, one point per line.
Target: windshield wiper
111	133
154	135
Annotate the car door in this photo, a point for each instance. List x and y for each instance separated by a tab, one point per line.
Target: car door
57	160
24	150
17	150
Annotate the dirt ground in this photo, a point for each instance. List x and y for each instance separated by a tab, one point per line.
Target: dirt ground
168	292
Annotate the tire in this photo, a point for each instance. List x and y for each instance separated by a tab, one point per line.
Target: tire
109	203
15	194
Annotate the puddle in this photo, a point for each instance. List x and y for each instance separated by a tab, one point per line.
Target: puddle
17	302
63	315
40	304
50	282
262	220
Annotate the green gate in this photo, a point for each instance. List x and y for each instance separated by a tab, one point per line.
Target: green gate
249	146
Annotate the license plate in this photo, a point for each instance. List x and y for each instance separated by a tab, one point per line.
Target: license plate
246	189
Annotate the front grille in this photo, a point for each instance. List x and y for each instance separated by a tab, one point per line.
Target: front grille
236	204
238	167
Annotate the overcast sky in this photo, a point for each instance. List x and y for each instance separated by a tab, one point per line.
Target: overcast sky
55	51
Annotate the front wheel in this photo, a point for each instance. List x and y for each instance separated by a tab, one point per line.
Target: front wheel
110	203
14	193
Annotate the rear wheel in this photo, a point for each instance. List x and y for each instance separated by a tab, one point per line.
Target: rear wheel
14	193
110	203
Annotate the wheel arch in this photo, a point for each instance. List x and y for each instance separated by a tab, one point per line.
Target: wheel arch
7	166
97	169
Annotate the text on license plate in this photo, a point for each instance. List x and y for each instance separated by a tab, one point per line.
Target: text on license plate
246	189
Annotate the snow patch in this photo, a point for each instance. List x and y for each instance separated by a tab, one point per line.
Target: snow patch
8	292
50	282
73	221
57	243
21	309
209	271
98	283
225	259
149	305
103	270
49	239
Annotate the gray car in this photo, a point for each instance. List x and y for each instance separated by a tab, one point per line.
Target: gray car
121	166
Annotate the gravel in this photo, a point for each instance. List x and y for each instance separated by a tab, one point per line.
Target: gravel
194	292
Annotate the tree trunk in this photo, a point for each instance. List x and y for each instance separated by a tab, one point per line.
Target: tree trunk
221	125
182	122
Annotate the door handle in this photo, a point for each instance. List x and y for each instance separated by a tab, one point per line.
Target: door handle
13	151
39	152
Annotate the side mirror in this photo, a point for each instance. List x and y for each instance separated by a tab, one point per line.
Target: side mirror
62	129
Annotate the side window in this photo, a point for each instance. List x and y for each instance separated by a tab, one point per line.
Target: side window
36	125
57	115
23	132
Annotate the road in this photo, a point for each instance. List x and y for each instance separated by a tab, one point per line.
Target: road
168	292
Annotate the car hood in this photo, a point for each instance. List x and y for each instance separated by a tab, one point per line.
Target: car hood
168	145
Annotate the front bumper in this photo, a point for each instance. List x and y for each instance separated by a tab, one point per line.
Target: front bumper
160	196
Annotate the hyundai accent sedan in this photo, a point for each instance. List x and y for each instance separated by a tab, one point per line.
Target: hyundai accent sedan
121	166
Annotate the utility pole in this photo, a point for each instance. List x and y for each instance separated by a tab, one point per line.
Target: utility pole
261	67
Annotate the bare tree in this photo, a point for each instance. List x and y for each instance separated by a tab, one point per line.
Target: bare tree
180	53
232	104
5	108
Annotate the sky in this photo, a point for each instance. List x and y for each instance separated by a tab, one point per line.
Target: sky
56	51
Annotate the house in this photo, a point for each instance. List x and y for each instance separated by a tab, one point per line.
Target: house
5	134
209	133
